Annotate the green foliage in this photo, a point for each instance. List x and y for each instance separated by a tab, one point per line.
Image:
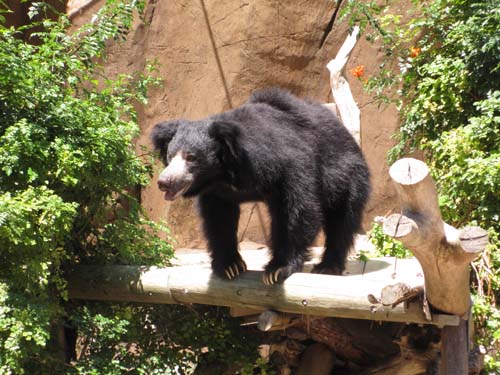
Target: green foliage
443	65
34	223
68	180
466	161
385	245
175	339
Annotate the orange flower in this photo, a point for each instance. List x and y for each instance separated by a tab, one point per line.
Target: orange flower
415	51
358	71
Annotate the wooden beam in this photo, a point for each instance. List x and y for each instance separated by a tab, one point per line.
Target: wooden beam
306	294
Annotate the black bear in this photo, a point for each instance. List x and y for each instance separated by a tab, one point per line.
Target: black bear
294	155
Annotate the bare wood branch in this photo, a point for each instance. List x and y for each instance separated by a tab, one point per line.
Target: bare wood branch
342	95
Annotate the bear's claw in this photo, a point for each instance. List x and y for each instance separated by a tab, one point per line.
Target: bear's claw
276	274
327	270
235	269
272	277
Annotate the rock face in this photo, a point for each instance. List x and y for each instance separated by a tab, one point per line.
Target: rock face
214	53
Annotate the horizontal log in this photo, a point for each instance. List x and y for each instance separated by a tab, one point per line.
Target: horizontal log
301	293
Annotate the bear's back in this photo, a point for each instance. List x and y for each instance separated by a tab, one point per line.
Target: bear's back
308	118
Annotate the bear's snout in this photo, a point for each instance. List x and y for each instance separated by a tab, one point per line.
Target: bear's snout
175	179
166	185
173	188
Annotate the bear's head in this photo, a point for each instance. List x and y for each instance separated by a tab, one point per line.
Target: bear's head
197	154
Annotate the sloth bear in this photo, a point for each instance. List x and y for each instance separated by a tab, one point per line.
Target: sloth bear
293	155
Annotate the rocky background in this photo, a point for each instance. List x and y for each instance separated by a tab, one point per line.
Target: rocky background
212	54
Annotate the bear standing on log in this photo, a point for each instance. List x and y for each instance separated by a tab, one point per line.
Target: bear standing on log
294	155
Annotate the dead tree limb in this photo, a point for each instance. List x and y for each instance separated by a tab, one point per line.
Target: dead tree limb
342	95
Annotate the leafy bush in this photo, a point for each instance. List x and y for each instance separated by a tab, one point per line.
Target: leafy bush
67	161
169	340
69	176
442	59
386	246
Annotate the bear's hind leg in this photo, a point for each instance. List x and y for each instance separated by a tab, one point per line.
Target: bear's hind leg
340	227
220	224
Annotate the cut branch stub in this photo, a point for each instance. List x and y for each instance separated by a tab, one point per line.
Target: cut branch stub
443	251
473	239
397	225
415	187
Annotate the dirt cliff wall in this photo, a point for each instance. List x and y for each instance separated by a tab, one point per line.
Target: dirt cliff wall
214	53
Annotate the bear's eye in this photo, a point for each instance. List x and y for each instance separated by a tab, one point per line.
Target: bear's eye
189	157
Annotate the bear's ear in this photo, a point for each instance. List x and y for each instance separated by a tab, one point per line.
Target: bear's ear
162	134
226	133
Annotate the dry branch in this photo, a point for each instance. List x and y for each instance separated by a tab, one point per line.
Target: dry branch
347	107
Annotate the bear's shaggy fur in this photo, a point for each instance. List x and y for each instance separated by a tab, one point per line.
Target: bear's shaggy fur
294	155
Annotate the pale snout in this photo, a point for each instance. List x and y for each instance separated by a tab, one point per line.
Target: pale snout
175	179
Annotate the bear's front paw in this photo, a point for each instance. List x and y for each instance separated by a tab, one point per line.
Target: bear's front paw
230	271
276	275
328	269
